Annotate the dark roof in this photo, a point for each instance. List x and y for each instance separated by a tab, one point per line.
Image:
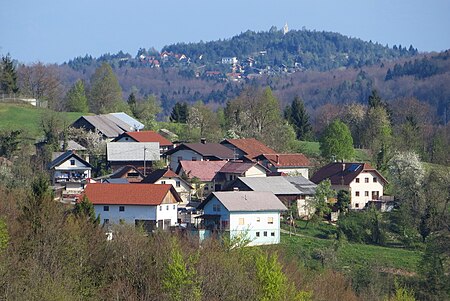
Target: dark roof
303	184
343	173
66	156
120	172
286	160
116	181
146	136
215	150
250	146
158	174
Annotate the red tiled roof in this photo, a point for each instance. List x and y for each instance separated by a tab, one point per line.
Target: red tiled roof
287	160
203	170
128	194
250	146
343	173
148	136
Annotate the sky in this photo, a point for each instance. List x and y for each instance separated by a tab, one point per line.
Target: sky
55	31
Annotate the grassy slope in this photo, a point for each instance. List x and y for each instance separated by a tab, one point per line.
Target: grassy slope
27	118
349	256
312	149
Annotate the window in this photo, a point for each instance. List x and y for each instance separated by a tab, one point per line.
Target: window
72	162
356	205
272	234
258	219
173	207
105	208
121	208
270	220
194	158
163	182
375	179
357	180
178	183
216	207
241	221
366	193
167	207
366	180
206	187
356	193
265	233
160	208
257	234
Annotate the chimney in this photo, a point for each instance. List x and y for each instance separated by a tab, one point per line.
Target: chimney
203	140
278	159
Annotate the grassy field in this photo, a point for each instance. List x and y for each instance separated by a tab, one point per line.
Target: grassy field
312	149
27	118
318	241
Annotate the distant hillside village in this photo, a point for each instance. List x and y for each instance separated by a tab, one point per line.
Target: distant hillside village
237	186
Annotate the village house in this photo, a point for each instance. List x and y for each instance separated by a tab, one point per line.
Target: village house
288	164
291	190
124	174
109	125
137	154
249	215
146	136
166	176
198	152
150	205
364	183
247	148
70	172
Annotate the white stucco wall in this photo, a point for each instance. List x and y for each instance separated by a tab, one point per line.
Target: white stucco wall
186	155
303	171
255	171
358	202
184	190
65	170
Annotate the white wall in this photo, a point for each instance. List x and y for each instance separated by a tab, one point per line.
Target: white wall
358	202
167	211
184	190
303	171
186	155
255	171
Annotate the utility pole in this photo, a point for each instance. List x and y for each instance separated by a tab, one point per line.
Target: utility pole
145	168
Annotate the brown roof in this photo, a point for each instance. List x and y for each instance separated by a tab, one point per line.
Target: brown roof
250	146
238	167
128	194
210	150
343	173
286	160
203	170
146	136
158	174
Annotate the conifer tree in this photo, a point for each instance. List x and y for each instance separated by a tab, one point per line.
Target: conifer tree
297	116
76	100
8	76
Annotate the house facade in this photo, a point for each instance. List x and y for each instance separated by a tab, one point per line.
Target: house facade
253	216
288	164
151	205
364	183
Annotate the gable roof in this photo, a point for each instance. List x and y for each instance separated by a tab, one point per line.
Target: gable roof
129	194
110	125
212	150
132	151
121	171
116	181
203	170
276	185
72	145
146	136
239	167
343	173
286	160
158	174
303	184
246	201
66	156
250	146
133	123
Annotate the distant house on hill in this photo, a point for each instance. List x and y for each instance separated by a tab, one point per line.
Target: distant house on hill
146	136
198	152
109	125
364	183
289	164
247	148
151	205
254	216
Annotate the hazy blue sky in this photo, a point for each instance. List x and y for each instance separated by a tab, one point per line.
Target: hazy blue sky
58	30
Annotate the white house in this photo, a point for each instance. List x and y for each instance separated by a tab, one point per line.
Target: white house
364	183
152	205
248	214
166	176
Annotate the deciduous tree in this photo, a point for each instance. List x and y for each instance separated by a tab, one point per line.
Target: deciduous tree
336	142
105	95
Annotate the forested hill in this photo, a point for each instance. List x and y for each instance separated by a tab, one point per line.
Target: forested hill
318	50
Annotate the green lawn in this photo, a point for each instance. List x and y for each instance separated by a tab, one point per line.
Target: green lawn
27	118
312	149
